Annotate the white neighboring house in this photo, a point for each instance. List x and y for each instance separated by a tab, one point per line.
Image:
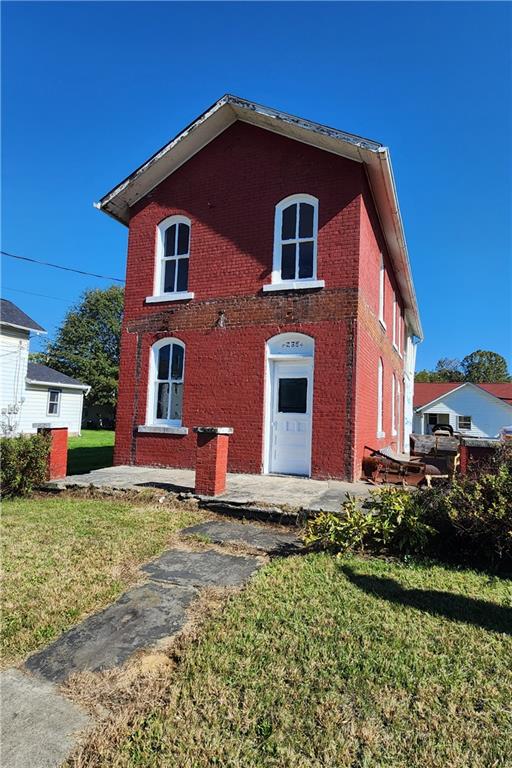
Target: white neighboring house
31	393
474	410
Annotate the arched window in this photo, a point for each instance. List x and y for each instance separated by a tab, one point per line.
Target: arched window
295	240
393	405
380	398
165	401
173	251
382	273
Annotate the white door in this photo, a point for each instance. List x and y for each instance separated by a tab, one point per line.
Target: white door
290	415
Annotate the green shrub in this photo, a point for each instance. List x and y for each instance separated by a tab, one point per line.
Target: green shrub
24	463
467	521
390	520
480	512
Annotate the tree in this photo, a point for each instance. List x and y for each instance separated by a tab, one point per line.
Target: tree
424	376
87	344
448	369
485	366
480	366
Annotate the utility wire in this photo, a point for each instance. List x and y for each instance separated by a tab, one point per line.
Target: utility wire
59	266
31	293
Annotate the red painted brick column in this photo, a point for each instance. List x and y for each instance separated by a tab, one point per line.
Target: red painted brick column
58	458
211	459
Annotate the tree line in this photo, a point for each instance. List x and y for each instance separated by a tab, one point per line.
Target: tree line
481	366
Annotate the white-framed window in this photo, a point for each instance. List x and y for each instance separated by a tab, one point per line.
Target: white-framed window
53	408
399	411
433	419
172	258
166	376
380	398
393	404
396	330
463	422
295	244
382	275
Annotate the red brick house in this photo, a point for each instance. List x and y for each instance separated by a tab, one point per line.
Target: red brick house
268	289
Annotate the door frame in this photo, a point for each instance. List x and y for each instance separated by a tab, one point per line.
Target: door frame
303	347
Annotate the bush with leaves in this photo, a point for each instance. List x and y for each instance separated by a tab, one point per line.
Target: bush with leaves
24	463
467	521
389	520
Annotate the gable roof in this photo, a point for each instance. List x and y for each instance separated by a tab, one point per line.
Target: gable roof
13	316
373	155
42	374
426	393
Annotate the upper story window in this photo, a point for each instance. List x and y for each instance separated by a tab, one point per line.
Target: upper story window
295	244
172	257
382	275
396	329
165	401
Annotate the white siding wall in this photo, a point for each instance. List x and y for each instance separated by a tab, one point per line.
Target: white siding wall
35	409
13	369
488	415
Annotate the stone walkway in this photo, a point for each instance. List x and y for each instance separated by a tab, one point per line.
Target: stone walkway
295	492
39	726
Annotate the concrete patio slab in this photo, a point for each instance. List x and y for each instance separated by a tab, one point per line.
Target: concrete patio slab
38	726
208	568
256	536
293	492
136	620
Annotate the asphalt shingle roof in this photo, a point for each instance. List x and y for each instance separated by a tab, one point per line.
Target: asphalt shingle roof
39	372
10	314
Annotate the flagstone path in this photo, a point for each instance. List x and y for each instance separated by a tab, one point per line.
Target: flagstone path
39	726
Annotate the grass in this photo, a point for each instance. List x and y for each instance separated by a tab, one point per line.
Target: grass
326	663
64	557
92	450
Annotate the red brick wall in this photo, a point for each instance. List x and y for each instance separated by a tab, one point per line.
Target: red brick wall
224	386
229	191
374	341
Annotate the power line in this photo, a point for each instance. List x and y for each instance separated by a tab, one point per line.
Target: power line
31	293
59	266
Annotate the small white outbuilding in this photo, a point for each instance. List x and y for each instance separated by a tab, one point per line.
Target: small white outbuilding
473	410
31	393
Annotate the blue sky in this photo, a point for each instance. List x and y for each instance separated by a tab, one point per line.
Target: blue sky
90	90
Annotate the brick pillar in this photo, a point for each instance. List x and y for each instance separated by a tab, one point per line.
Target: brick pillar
463	458
211	459
58	458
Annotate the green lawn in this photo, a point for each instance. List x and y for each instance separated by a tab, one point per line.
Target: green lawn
325	663
92	450
65	557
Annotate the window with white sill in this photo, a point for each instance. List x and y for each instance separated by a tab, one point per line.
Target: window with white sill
380	398
166	377
295	244
382	275
172	259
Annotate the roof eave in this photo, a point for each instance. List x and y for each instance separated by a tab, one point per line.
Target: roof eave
62	384
39	331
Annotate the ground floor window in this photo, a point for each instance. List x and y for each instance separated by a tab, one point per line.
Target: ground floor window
168	359
437	418
53	402
464	422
